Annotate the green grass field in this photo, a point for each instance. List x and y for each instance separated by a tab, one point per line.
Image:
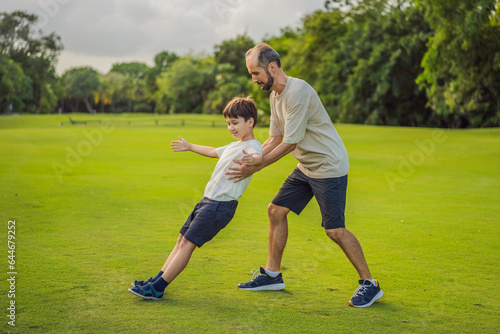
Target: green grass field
98	206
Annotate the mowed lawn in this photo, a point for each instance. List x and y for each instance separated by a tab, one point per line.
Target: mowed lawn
99	205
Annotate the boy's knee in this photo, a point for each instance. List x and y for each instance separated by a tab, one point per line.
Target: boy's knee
186	243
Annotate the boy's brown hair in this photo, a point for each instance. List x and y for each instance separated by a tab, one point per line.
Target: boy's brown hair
241	107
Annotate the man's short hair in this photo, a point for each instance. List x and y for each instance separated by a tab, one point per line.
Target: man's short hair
241	107
266	55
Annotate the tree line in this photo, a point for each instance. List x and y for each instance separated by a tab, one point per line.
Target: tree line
382	62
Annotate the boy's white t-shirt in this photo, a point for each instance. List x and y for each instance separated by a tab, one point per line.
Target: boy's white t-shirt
219	188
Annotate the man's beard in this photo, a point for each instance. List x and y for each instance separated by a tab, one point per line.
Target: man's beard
269	83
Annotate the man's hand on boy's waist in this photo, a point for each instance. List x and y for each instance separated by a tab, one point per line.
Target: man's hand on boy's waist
241	172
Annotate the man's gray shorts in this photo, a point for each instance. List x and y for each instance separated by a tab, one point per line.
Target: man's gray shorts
298	189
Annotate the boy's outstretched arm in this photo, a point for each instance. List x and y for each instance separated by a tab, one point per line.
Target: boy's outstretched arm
183	145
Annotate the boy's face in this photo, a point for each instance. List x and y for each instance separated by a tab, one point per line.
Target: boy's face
239	128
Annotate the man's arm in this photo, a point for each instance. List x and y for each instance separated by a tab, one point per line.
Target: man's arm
270	144
277	153
182	145
272	150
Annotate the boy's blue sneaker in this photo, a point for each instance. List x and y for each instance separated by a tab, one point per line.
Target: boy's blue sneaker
262	281
366	294
147	292
139	282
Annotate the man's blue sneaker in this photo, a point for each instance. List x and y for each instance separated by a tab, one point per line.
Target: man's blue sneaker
262	281
147	292
366	294
139	282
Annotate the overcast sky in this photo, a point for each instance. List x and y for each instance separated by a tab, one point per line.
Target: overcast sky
99	33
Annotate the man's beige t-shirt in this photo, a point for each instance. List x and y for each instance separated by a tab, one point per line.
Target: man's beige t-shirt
298	115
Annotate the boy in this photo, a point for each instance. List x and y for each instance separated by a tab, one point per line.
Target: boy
220	200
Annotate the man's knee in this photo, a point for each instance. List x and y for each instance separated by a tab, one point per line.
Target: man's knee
336	234
276	213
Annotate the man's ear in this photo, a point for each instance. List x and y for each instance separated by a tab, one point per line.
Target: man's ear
272	67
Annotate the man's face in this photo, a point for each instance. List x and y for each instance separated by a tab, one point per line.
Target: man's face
260	76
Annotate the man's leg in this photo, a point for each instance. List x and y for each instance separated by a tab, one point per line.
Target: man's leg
293	196
331	196
278	234
352	249
369	290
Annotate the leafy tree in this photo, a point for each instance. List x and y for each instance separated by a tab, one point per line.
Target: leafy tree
136	85
233	52
81	84
112	93
15	86
228	84
368	75
184	86
35	53
461	73
133	69
163	61
317	38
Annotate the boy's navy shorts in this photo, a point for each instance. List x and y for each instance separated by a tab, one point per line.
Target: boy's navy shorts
298	189
207	219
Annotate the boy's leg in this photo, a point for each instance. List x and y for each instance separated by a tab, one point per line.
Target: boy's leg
165	266
180	260
176	263
173	253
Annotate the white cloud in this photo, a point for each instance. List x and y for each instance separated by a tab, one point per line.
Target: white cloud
101	32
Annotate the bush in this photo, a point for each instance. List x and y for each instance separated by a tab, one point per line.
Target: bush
143	107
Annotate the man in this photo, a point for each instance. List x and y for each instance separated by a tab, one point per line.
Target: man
300	125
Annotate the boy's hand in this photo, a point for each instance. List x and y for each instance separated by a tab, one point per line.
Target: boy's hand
251	159
180	145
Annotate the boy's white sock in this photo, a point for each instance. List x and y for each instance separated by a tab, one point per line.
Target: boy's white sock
272	273
373	282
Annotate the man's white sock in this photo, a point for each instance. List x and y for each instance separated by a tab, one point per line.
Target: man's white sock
272	273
